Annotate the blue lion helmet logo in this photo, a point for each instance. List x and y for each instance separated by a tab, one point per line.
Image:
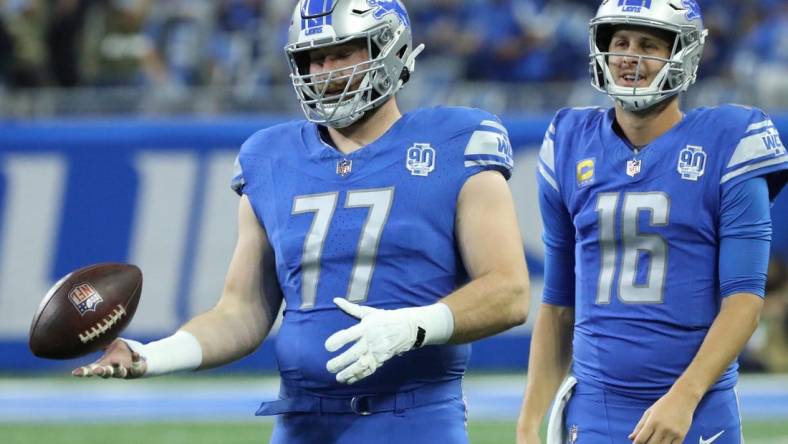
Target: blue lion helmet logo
383	7
693	9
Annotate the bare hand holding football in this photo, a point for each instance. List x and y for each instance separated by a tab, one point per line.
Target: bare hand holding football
118	361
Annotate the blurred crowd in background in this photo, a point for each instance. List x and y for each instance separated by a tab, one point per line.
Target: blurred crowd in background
768	348
237	44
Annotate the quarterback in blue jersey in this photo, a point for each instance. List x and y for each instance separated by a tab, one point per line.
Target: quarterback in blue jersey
392	240
656	233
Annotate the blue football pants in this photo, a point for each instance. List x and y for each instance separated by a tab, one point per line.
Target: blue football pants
597	417
442	422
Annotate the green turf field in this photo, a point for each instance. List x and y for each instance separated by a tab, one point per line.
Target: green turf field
22	401
236	433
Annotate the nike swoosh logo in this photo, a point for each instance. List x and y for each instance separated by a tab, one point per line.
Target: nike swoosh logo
360	12
710	440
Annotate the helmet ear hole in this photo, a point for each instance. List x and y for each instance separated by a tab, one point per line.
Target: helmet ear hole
405	73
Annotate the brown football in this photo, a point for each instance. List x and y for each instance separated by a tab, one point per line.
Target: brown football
85	310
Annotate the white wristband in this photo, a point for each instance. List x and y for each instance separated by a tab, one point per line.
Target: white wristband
437	320
179	352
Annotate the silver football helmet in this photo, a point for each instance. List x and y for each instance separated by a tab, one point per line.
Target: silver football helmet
382	25
681	18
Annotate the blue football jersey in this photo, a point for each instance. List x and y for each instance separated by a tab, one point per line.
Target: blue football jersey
376	226
644	228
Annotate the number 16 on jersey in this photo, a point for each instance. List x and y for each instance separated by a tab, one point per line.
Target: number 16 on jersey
633	245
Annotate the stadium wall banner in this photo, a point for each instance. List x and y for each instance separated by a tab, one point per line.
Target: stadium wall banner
155	192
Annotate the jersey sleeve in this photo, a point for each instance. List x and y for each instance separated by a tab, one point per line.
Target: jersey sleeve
488	147
558	232
758	152
250	148
546	165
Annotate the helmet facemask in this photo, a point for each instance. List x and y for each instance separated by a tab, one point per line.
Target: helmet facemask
333	97
367	84
677	74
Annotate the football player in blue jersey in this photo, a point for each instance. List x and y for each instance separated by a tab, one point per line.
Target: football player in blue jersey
656	234
392	240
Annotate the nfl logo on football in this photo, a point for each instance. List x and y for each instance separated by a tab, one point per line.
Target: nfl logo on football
633	167
692	162
420	160
84	297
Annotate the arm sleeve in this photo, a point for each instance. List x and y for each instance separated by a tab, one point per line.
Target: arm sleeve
745	234
559	247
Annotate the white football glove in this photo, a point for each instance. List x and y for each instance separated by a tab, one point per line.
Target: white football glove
382	334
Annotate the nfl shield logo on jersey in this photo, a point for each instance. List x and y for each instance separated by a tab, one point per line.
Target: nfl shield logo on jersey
344	167
633	167
420	159
84	297
692	162
573	434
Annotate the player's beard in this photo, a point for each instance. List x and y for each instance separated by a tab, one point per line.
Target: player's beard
366	117
343	89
